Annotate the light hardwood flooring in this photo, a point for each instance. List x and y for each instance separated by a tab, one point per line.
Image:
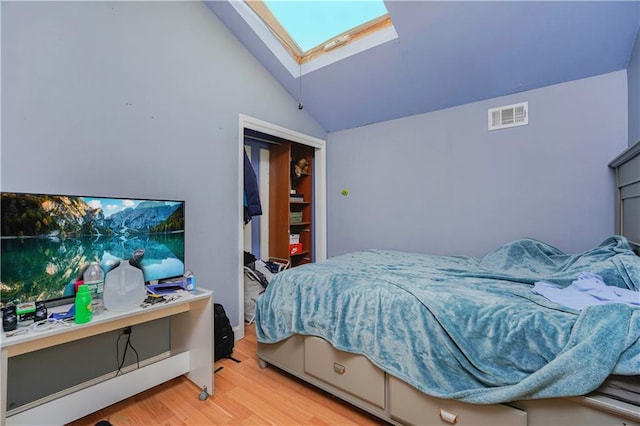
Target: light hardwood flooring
244	394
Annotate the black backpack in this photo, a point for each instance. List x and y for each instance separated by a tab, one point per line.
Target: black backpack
223	336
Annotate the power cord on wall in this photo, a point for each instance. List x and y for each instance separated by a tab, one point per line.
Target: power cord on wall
127	331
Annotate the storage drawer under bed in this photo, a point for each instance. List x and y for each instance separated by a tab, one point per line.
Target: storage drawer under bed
410	406
352	373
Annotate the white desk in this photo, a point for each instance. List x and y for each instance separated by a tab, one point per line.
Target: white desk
191	354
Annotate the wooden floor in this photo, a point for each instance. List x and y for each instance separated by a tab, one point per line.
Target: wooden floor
244	395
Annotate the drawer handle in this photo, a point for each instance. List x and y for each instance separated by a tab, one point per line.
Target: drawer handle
448	417
338	368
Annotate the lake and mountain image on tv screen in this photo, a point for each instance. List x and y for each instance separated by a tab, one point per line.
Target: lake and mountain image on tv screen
46	240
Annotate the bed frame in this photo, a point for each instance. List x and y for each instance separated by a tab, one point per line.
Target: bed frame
627	170
357	381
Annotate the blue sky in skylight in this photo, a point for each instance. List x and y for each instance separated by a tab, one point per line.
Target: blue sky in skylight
311	22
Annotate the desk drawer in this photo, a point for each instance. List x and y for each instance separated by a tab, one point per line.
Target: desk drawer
349	372
410	406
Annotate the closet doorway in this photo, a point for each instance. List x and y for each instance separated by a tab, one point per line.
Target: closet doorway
265	140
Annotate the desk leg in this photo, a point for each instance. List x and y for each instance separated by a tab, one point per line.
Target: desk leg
3	391
193	331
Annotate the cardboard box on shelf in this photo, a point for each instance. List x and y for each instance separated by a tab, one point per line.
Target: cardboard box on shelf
295	217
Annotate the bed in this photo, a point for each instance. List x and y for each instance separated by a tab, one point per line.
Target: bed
421	339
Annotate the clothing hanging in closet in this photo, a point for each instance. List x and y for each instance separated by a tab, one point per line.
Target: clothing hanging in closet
252	205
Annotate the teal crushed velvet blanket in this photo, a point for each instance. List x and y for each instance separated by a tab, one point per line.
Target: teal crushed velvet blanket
462	327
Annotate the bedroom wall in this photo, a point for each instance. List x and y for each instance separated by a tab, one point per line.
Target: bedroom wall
633	82
137	99
441	183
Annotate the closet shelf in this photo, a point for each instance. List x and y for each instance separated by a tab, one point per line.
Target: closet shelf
291	201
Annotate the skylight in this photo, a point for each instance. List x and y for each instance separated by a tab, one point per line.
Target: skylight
312	29
311	23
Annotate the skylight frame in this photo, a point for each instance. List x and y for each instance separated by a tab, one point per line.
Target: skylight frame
301	57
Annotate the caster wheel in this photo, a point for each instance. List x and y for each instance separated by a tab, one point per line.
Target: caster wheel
204	394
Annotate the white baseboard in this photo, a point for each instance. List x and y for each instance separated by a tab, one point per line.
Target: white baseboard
238	332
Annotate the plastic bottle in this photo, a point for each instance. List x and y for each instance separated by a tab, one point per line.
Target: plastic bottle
94	279
83	311
190	282
124	288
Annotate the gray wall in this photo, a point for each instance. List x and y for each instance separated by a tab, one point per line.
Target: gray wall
137	99
633	82
441	183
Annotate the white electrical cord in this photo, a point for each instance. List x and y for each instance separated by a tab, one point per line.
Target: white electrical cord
39	326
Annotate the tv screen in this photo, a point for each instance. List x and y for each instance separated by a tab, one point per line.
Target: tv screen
46	240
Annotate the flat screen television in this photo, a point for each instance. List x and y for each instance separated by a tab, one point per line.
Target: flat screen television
46	240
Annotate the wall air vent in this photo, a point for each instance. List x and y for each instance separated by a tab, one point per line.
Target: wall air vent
509	116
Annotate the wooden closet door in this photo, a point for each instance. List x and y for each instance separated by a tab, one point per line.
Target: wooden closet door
279	187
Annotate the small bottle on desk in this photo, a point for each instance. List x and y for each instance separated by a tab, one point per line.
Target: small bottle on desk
83	311
94	279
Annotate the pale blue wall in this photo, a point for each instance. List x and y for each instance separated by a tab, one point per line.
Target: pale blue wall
633	82
137	99
154	91
441	183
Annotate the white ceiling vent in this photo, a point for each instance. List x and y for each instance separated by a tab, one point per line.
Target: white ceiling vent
509	116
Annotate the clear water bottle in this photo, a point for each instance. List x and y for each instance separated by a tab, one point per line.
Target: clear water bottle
94	279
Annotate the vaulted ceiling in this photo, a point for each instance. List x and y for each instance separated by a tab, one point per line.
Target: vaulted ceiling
450	53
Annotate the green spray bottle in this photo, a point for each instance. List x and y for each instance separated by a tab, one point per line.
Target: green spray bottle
83	305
